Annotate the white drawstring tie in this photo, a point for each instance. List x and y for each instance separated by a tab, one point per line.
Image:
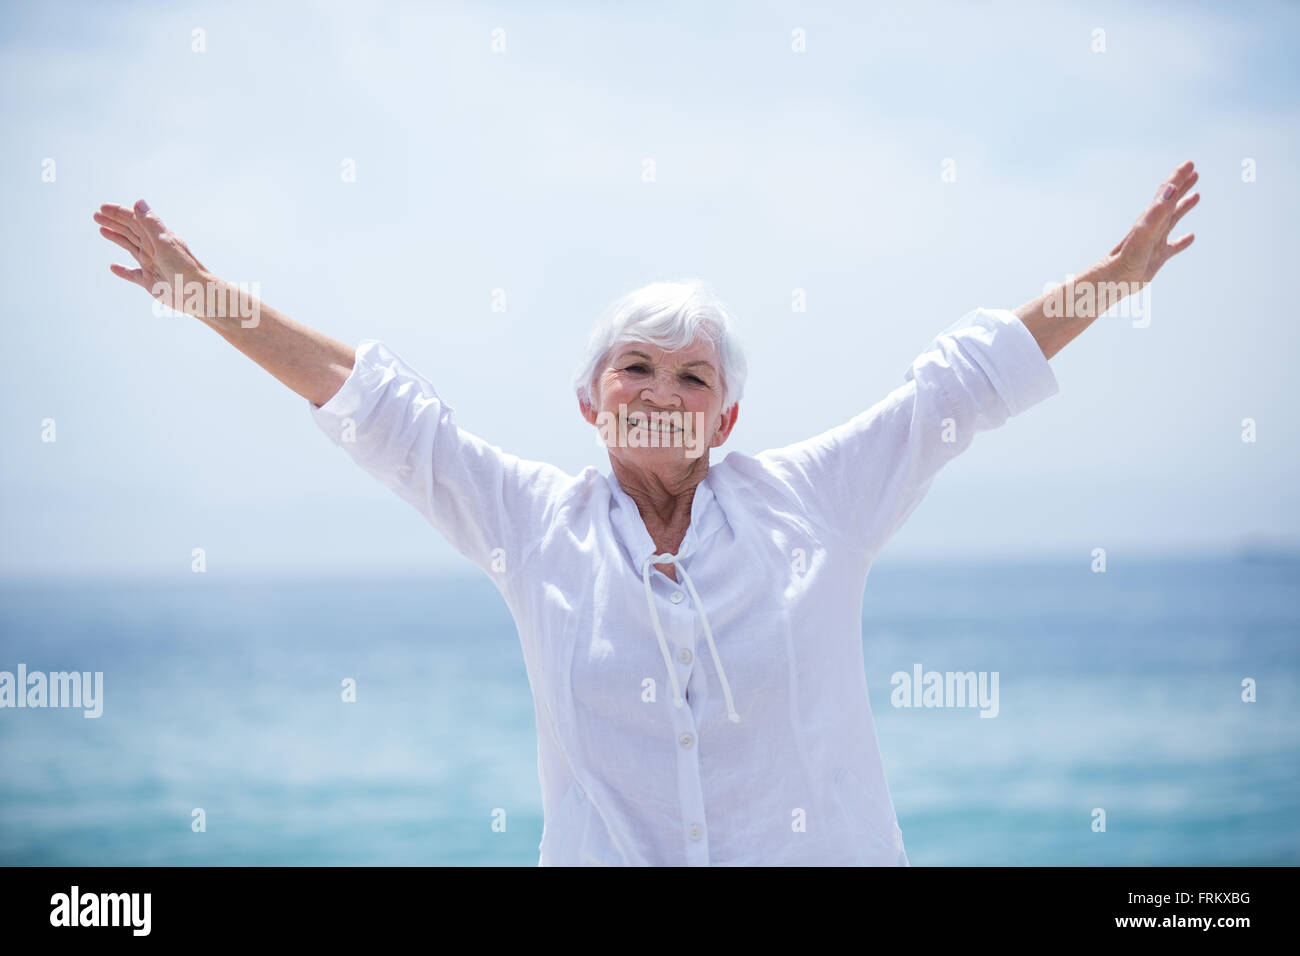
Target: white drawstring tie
665	558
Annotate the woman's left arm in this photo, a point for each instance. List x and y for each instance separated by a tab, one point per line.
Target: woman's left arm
1125	270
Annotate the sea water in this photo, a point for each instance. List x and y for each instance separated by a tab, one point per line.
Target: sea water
389	721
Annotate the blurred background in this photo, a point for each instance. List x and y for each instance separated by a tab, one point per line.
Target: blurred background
472	184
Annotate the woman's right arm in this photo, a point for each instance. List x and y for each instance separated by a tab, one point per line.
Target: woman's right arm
309	362
492	506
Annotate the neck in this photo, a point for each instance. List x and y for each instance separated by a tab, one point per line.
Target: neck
663	496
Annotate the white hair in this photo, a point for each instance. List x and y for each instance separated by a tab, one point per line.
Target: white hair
670	315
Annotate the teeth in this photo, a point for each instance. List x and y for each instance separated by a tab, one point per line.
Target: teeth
642	422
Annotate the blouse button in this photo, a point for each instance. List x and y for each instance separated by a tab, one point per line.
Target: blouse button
677	597
695	832
684	655
685	740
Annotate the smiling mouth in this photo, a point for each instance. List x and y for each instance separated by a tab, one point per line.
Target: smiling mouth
642	422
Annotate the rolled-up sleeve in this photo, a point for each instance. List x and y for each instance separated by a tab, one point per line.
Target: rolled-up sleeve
866	476
490	505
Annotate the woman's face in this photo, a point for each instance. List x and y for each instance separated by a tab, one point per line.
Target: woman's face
658	407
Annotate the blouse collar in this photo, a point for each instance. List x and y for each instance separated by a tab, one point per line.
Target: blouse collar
706	518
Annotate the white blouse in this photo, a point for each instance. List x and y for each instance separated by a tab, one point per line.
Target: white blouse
723	720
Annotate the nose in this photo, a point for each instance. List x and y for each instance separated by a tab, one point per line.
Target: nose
661	390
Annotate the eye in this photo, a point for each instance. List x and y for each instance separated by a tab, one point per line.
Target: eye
695	379
635	368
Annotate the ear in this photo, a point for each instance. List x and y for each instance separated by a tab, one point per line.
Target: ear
728	423
587	411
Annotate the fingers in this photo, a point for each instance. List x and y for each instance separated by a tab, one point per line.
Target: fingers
1184	207
1181	178
130	275
114	211
124	242
149	221
1180	190
124	221
142	224
119	220
1172	249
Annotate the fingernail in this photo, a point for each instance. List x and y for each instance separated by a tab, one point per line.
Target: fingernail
144	206
1169	191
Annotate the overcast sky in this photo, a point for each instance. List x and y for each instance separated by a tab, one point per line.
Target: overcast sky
522	169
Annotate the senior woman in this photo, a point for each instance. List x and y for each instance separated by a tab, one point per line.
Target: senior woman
691	628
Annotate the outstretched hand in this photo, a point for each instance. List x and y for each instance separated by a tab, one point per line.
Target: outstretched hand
162	255
1140	254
